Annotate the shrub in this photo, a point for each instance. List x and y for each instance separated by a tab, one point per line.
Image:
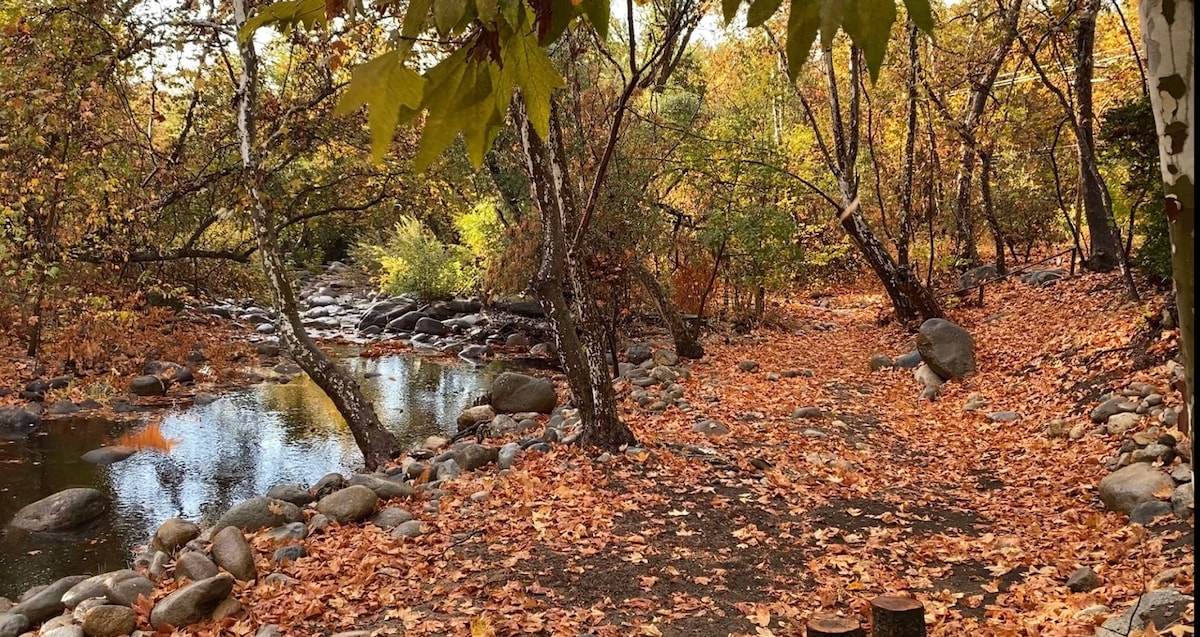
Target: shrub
412	260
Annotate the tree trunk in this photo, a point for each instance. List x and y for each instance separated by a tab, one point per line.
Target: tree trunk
579	348
1169	36
910	146
684	336
376	442
897	617
989	209
834	627
911	300
1105	247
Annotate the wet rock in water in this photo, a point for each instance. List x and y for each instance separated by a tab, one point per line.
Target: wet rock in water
148	386
47	602
352	504
430	326
1130	486
174	533
232	552
193	603
946	348
109	620
66	510
108	455
513	392
260	513
194	566
1161	608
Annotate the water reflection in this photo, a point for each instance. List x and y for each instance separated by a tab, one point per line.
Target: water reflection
224	452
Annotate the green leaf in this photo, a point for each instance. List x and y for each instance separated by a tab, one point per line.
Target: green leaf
561	14
453	90
729	9
488	11
920	13
869	24
447	14
388	89
760	11
831	13
534	76
414	22
804	19
598	12
286	15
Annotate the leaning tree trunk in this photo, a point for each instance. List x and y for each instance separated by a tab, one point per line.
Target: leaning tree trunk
684	336
576	331
1170	38
1105	246
376	443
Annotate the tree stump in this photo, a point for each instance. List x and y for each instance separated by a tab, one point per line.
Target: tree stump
834	627
893	616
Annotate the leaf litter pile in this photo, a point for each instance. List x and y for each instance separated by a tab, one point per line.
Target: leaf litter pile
784	518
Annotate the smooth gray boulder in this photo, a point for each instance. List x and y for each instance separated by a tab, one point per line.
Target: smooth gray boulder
172	534
947	348
1163	607
1112	407
1125	488
195	566
16	422
977	275
12	625
352	504
108	455
260	513
472	415
66	510
881	361
47	602
430	326
148	385
384	487
290	493
124	589
192	603
232	552
391	517
513	392
474	456
109	620
94	587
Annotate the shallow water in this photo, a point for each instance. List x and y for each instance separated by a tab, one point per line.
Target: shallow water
224	452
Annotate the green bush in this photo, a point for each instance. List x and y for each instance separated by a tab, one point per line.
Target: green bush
411	260
1153	257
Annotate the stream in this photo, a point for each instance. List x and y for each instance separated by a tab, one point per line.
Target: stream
220	454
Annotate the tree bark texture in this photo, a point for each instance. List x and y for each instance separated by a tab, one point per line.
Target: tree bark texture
376	442
911	300
1097	209
577	334
893	616
1169	36
989	209
684	335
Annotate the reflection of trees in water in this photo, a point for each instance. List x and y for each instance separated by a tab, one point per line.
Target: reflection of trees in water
307	412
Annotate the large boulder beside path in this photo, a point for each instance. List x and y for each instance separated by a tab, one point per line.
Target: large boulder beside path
513	393
1125	488
63	511
947	348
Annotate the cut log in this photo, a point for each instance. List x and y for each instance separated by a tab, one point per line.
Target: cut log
835	627
893	616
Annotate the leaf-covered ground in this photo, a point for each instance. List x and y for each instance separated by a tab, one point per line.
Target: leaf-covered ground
981	521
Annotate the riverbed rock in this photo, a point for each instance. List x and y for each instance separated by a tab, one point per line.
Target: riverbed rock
260	513
47	602
192	603
1111	407
1120	423
638	352
94	586
354	503
109	620
1183	500
289	553
125	587
1130	486
406	322
66	510
947	348
507	455
474	456
195	566
148	385
513	392
16	422
430	326
290	493
12	625
472	415
232	552
391	517
108	455
383	486
1161	607
173	534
